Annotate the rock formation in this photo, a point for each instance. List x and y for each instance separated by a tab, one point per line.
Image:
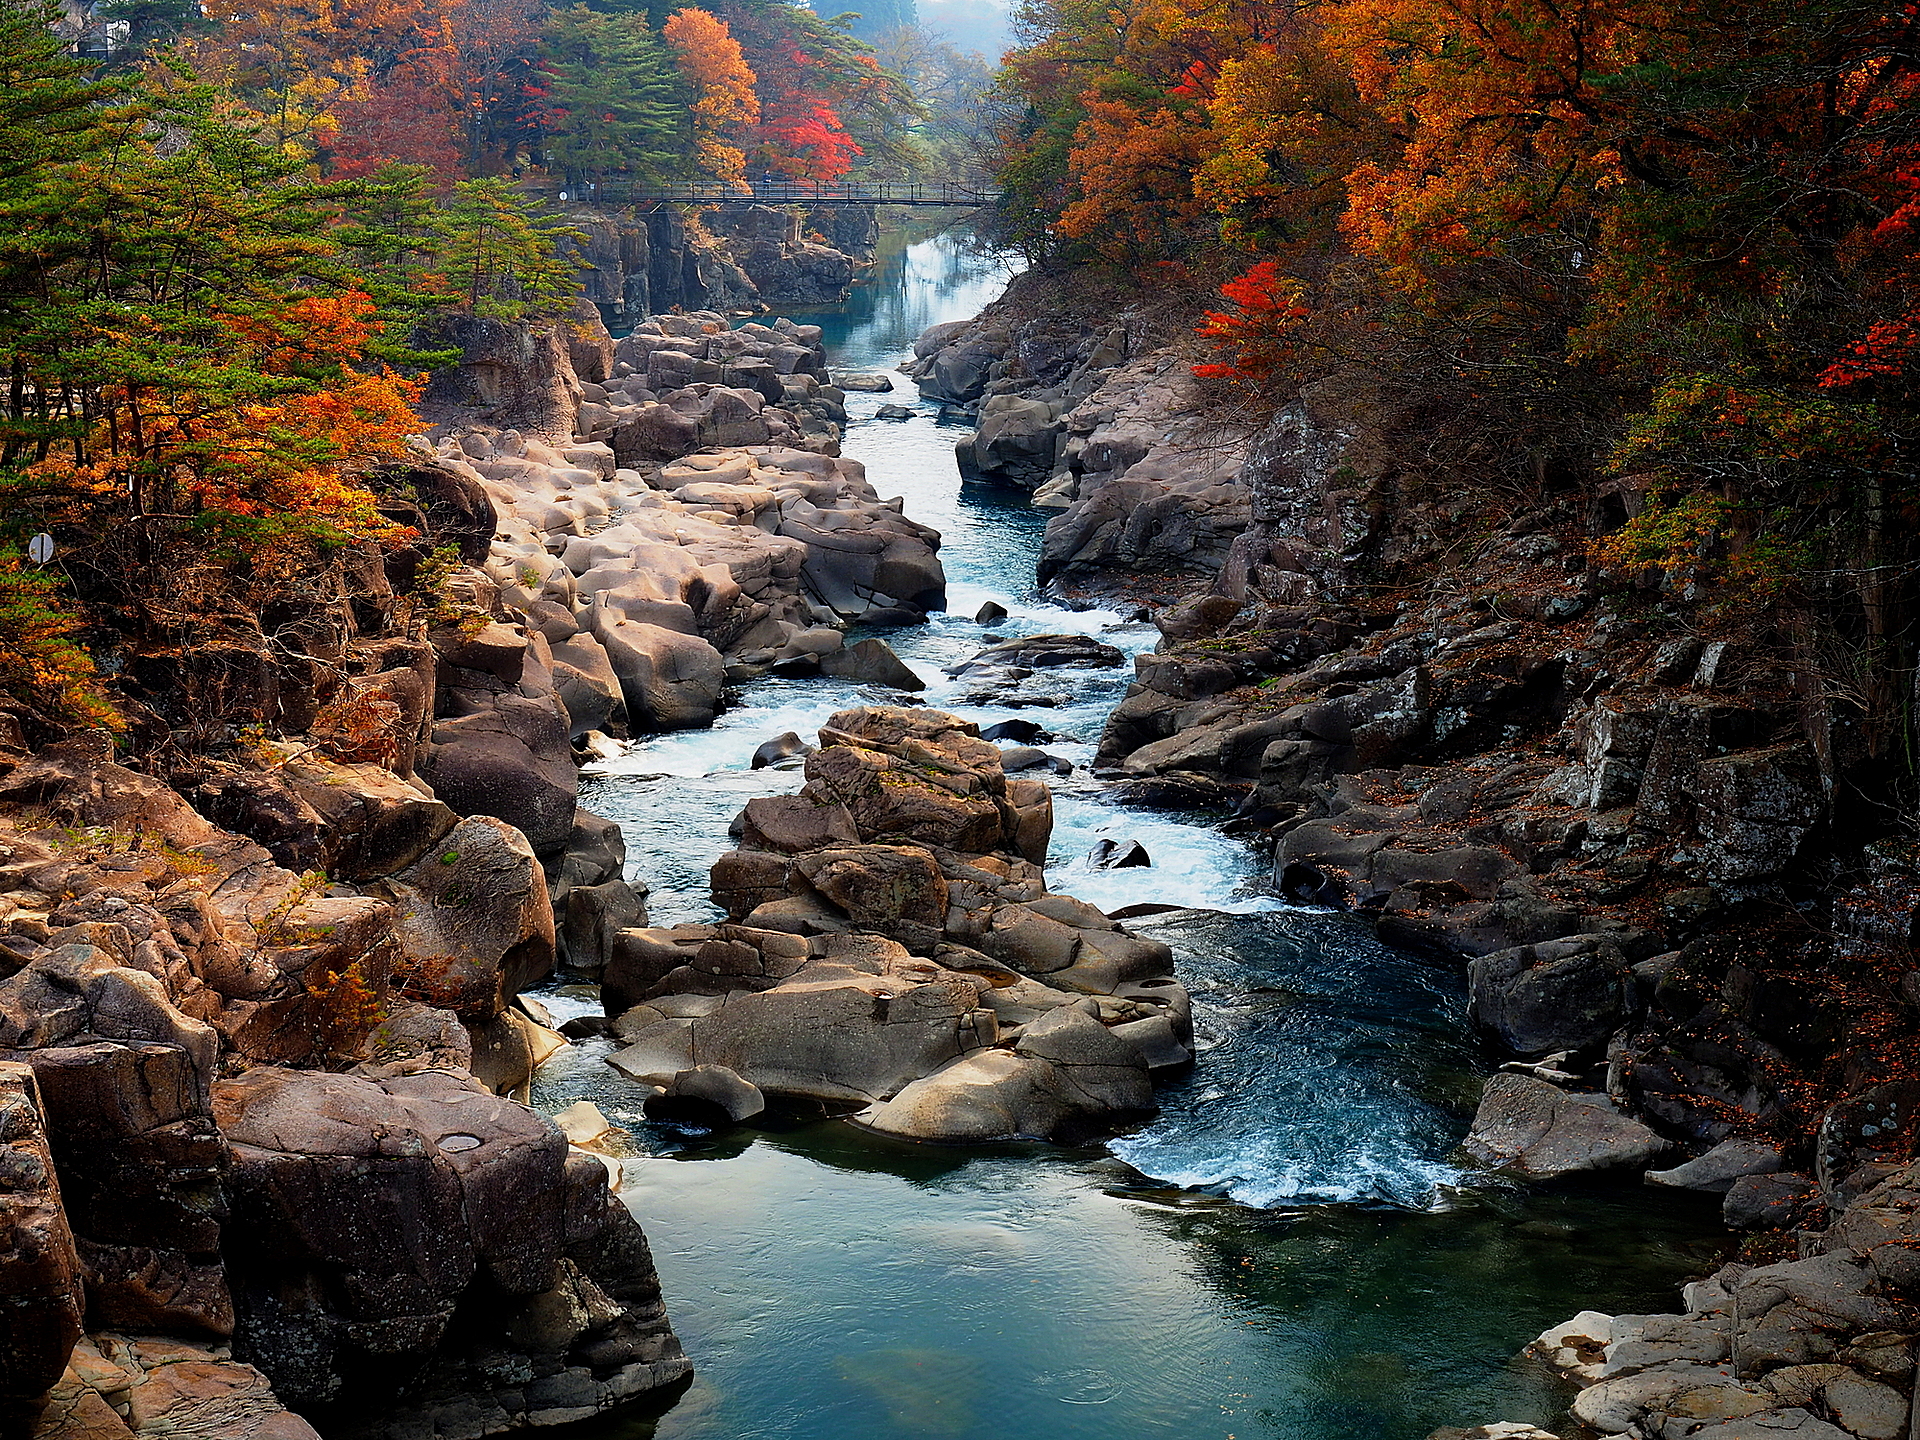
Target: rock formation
259	1015
891	950
245	1117
687	524
1816	1347
1101	424
741	258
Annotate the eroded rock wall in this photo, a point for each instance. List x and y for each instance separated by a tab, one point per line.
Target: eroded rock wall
1085	409
260	1019
741	258
246	1102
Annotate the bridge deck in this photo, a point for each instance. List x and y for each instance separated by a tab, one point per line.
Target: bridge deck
946	196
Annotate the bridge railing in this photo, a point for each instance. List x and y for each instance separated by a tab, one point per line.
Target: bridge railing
787	193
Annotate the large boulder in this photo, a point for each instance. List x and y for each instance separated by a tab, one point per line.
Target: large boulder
891	890
1883	1228
364	1210
1016	442
513	761
696	959
39	1267
1568	994
795	823
513	373
267	809
374	822
1038	652
126	1388
871	662
1753	808
123	1080
919	776
1715	1171
670	681
834	1032
584	678
1802	1312
892	798
1534	1130
958	372
1071	949
473	920
1067	1076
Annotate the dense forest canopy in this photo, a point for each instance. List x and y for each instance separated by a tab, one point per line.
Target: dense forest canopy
1664	253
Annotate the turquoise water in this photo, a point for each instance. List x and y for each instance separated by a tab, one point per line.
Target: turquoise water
1288	1250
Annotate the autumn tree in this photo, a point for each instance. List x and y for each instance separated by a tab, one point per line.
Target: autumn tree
480	57
818	88
725	108
187	356
292	61
400	120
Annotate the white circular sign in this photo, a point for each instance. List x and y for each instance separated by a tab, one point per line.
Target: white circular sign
40	548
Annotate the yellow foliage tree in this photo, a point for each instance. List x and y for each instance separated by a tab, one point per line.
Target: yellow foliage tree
713	64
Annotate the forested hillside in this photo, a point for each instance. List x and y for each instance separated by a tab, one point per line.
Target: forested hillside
1662	257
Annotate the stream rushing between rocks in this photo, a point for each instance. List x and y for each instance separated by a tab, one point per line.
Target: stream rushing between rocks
1285	1251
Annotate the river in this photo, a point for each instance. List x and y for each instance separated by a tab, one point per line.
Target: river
1286	1251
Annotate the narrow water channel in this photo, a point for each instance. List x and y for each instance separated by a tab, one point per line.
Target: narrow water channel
1285	1251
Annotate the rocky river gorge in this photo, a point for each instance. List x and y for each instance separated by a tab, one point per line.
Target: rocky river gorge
1289	1248
1006	1007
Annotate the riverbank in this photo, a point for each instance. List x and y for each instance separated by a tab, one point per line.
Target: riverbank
1615	799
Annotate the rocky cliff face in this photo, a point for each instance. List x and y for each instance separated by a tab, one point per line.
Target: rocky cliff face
256	1153
1100	422
636	264
1636	818
1620	808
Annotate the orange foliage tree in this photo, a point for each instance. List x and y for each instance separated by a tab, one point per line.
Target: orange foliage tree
716	70
813	82
399	120
214	373
1132	165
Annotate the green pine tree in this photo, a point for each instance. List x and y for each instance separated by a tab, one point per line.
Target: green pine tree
501	258
392	230
617	101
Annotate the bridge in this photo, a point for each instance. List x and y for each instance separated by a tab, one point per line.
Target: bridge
947	195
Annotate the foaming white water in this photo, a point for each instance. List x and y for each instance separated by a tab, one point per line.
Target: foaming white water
1318	1045
1267	1172
1193	864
